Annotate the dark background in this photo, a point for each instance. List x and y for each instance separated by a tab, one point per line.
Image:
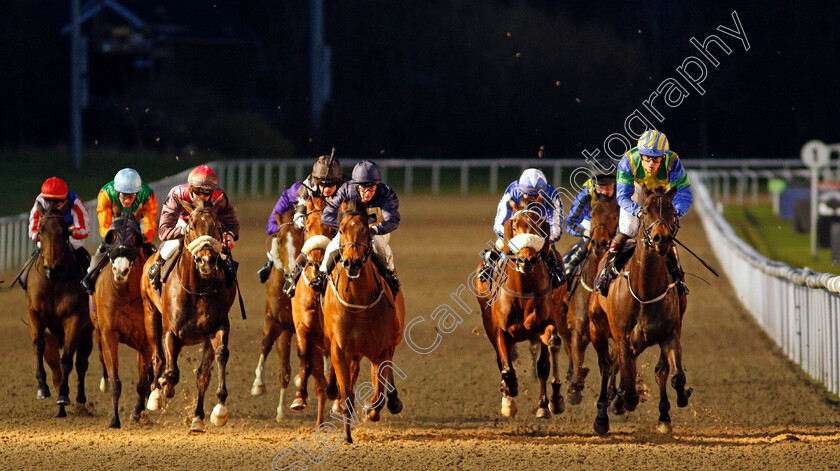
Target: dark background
438	79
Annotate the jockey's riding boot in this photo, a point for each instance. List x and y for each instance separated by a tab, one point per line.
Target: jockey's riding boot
149	249
264	272
388	274
292	278
605	277
230	267
154	272
24	273
555	268
676	270
573	258
83	258
490	256
98	262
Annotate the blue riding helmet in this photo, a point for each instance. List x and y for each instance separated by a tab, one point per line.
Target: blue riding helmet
128	181
366	172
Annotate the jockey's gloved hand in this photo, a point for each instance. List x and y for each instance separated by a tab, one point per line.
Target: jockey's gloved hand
374	230
300	220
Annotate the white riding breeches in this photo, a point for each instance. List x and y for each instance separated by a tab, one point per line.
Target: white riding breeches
380	246
169	247
628	224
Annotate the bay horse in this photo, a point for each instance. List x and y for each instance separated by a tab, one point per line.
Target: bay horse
117	312
191	308
603	223
284	247
308	316
362	318
56	306
520	306
642	309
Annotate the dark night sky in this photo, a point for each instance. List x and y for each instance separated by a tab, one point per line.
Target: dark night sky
444	79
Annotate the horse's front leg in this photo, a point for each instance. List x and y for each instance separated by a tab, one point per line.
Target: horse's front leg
109	343
83	351
673	350
284	350
171	349
543	368
306	352
36	331
599	333
662	371
154	335
509	386
219	417
144	380
202	377
270	333
72	331
341	363
103	383
627	367
579	341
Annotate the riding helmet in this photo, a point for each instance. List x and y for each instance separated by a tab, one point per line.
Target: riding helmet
203	176
532	181
54	188
128	181
653	143
366	172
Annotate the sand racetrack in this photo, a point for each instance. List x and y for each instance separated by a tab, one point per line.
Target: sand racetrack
751	407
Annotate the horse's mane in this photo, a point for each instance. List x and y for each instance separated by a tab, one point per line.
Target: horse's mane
353	207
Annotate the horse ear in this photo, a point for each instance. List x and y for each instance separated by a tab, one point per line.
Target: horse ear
40	208
188	207
220	203
62	206
109	237
514	206
671	192
508	229
646	192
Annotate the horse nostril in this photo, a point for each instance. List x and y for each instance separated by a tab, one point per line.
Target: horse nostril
657	238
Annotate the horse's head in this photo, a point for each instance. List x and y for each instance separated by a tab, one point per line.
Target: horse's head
317	234
203	235
356	239
53	234
604	212
528	230
123	242
658	219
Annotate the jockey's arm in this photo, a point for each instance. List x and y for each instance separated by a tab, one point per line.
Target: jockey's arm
329	216
679	178
625	187
34	217
80	228
300	208
149	217
228	220
390	213
284	203
169	215
574	223
104	212
555	214
503	212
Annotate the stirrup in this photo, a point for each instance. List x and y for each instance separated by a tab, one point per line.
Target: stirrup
319	282
289	286
393	282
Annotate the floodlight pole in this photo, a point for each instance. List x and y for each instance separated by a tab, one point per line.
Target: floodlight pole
76	85
815	155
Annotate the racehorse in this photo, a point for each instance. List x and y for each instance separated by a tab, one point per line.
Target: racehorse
191	308
308	317
520	305
604	211
277	323
117	313
643	309
362	318
56	305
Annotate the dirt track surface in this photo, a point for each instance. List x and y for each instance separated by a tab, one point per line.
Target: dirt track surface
751	407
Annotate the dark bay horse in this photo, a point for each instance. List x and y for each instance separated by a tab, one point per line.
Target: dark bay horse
362	318
57	308
604	221
308	316
642	309
521	305
284	248
117	312
191	309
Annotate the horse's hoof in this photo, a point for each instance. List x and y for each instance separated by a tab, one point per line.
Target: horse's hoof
602	428
574	397
508	407
395	406
115	424
63	400
373	415
61	412
219	417
257	389
543	413
332	392
43	393
169	391
154	400
557	407
682	399
664	428
583	373
298	404
197	425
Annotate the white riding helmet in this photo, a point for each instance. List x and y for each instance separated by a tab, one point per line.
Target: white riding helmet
128	180
532	181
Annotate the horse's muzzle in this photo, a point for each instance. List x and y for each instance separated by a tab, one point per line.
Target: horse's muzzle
353	267
661	243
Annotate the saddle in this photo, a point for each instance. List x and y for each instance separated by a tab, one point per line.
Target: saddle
169	264
625	254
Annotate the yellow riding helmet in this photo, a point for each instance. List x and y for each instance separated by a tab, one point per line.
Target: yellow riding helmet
653	143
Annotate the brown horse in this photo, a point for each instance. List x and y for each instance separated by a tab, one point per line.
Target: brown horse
362	319
520	306
308	317
604	221
642	309
191	308
284	247
117	312
56	305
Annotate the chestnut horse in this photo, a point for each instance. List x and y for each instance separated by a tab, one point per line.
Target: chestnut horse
56	305
642	309
191	308
277	321
308	317
362	318
117	313
520	306
604	221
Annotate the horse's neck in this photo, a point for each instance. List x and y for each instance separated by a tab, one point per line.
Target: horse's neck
519	281
358	290
648	272
590	270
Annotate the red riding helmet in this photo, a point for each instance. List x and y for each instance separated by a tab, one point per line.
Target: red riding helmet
203	176
54	189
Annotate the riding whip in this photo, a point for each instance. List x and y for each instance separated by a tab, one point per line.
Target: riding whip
709	267
236	282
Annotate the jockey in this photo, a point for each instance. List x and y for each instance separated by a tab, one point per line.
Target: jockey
530	185
125	194
651	164
602	181
382	202
76	220
324	180
202	182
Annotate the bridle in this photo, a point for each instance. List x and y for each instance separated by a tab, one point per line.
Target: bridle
367	247
647	230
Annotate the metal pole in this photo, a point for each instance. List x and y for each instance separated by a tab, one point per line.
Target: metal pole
815	178
75	86
408	178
